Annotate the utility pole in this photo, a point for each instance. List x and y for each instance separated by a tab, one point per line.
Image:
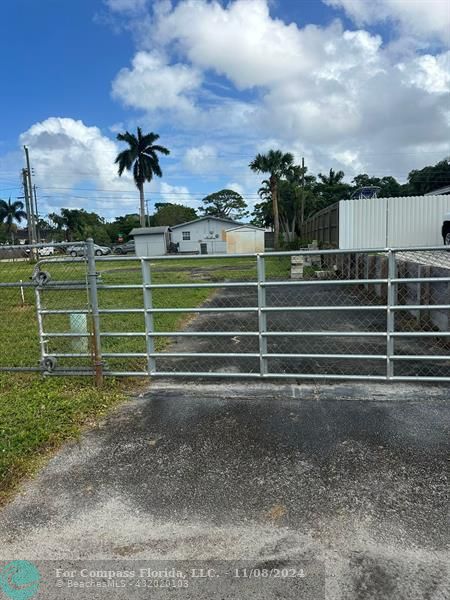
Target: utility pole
303	191
38	233
29	192
27	202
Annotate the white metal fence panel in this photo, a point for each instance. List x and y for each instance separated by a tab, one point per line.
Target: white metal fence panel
409	221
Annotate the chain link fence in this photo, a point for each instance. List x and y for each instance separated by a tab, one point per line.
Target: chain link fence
375	314
19	265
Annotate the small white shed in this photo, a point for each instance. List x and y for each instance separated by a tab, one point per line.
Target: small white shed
244	239
151	241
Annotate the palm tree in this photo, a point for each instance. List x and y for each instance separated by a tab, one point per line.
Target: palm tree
10	212
333	178
277	164
142	157
264	191
331	188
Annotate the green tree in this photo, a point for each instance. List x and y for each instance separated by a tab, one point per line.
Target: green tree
121	226
389	186
277	164
172	214
78	225
428	179
262	212
10	214
291	195
226	204
331	188
142	158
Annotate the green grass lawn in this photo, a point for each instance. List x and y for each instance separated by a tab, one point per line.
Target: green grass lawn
38	413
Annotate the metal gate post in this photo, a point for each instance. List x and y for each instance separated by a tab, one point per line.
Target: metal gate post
149	324
262	315
95	316
390	320
42	341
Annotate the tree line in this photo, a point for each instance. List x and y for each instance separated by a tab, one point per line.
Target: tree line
288	195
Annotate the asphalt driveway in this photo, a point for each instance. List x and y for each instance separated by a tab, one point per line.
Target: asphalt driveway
351	479
344	317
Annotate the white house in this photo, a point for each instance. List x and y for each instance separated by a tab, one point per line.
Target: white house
206	235
244	239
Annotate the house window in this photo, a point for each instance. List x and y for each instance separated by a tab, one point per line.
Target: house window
186	235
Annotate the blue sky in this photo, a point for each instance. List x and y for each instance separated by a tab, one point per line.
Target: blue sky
361	86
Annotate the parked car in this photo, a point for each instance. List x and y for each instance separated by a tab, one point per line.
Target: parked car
46	251
79	250
127	248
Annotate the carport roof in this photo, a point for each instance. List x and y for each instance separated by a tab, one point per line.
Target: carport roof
149	230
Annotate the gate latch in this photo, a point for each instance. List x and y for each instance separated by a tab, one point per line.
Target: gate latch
41	277
49	363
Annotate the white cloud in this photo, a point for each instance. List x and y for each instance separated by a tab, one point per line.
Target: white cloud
66	151
176	194
200	159
339	92
427	72
240	41
423	18
236	187
152	84
74	167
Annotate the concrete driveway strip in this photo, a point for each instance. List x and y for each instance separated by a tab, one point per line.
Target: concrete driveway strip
349	477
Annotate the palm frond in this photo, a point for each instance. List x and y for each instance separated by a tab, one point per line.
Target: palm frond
161	149
125	160
149	139
129	138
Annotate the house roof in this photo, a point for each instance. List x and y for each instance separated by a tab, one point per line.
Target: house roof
246	226
209	218
439	191
149	230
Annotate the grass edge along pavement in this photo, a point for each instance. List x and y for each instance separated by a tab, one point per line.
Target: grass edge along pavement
38	414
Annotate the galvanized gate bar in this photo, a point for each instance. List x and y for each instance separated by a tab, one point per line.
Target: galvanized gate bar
262	316
268	304
149	324
390	321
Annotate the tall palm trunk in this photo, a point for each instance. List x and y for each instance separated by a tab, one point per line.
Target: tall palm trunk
142	203
276	217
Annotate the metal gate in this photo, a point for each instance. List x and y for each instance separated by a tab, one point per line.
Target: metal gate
380	314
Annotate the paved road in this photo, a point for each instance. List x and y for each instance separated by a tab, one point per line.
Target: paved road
353	477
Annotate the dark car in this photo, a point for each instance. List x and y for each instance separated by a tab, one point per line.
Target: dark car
127	248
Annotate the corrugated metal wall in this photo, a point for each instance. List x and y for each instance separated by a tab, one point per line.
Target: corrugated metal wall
412	221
